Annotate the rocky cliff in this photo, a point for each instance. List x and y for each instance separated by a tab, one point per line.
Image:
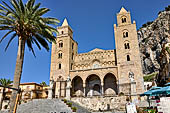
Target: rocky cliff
152	36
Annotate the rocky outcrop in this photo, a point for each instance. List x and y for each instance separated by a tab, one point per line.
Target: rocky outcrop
151	38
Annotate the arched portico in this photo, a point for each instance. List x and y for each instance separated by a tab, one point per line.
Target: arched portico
110	85
93	85
77	86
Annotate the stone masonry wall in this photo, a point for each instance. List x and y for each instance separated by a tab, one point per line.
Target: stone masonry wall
94	103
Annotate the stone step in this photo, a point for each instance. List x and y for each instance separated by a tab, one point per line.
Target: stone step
44	106
48	106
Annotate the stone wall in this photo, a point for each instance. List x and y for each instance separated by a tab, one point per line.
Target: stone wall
104	103
96	58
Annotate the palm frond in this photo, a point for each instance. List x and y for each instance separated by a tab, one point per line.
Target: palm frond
5	22
8	9
7	18
5	82
16	7
6	35
22	7
37	43
6	28
35	7
30	4
42	41
41	11
13	36
12	10
29	44
27	22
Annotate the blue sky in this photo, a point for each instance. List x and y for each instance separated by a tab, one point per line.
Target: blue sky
92	22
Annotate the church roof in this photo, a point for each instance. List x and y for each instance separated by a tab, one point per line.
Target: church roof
123	10
96	50
65	23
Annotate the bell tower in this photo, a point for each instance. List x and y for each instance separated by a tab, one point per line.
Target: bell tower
62	57
127	51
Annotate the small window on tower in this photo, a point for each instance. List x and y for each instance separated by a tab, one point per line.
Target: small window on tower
72	56
62	32
128	58
71	66
125	34
127	46
59	66
61	44
59	55
72	45
123	20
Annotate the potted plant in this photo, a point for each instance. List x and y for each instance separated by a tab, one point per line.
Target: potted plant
121	94
65	101
74	109
69	104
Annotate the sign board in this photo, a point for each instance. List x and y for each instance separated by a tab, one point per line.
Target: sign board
131	108
163	105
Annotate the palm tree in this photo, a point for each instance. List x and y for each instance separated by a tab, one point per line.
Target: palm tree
26	23
4	82
43	84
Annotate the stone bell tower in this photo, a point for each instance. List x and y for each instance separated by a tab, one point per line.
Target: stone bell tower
128	55
62	57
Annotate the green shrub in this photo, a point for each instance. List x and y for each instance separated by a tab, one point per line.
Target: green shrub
121	94
150	77
69	104
65	101
74	109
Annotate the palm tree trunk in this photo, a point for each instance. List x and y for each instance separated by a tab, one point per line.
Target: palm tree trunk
2	98
18	72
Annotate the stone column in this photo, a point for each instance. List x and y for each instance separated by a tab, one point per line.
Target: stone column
57	89
102	89
50	92
133	88
1	98
68	94
84	88
134	97
31	94
68	88
133	94
118	87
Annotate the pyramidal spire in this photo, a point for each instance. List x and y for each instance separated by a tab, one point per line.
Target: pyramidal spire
65	23
123	10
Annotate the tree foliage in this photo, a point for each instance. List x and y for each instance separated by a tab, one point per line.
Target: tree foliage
26	21
150	77
5	82
43	83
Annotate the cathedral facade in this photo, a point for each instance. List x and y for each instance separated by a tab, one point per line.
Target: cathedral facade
98	72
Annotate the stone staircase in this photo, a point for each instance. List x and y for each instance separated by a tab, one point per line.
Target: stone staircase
80	109
44	106
47	106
